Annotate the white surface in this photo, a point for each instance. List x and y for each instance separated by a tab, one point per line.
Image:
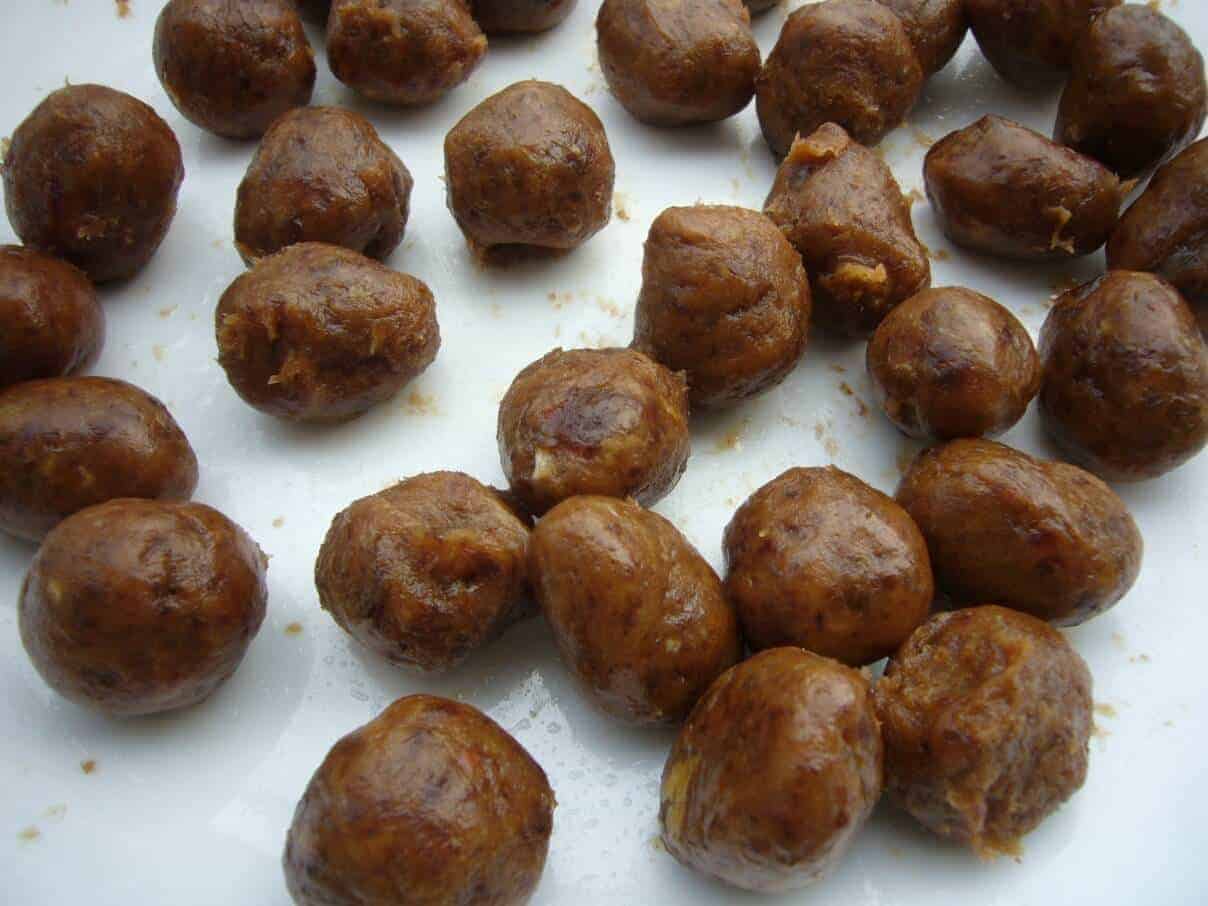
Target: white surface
191	809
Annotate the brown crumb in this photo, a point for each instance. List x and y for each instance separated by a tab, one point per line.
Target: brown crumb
560	300
732	441
167	312
620	204
924	139
159	352
419	404
1106	710
29	835
293	629
609	307
913	197
218	243
5	144
656	843
1099	733
837	368
1139	659
57	812
278	522
1117	640
88	766
553	297
123	8
941	254
823	434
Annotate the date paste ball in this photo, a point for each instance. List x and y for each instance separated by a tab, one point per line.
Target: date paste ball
233	68
506	17
1042	537
848	62
724	300
841	208
430	803
318	333
986	716
637	613
322	174
678	62
775	772
819	560
936	29
142	606
1125	391
403	52
529	167
593	421
50	321
951	363
92	177
427	571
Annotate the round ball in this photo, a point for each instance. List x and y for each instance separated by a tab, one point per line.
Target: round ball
506	17
936	29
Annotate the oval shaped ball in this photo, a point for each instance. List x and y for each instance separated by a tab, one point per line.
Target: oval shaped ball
322	174
1045	538
1125	391
142	606
403	52
950	363
774	773
318	333
724	300
547	186
507	17
848	62
50	321
593	421
107	205
936	29
819	560
986	717
233	68
427	571
638	615
688	61
431	802
69	443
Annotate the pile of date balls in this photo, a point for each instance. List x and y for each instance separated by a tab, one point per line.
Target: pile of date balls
139	601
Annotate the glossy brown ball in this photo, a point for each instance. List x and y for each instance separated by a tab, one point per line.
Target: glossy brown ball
141	606
936	29
92	177
507	17
432	803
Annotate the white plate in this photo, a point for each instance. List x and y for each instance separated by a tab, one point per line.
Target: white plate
191	809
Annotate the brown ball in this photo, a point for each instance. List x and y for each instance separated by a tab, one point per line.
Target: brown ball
1125	391
322	174
670	64
50	321
318	333
233	68
403	52
819	560
848	62
506	17
92	177
427	571
70	443
141	606
637	613
430	804
935	28
593	421
775	772
986	715
724	300
548	185
952	363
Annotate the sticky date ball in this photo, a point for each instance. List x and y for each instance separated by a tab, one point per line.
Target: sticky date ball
141	606
935	28
431	803
506	17
593	421
92	177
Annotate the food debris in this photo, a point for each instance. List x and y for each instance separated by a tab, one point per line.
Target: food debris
941	254
168	311
158	351
1117	640
293	629
5	144
123	8
1139	659
924	139
823	435
57	812
419	404
560	300
913	197
496	310
837	368
29	835
1106	710
88	766
609	307
278	522
861	407
620	203
732	441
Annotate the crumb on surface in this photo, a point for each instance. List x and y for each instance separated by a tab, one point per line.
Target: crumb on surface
837	368
293	629
1117	640
278	522
1106	710
620	203
5	144
1139	659
57	812
123	8
941	254
923	138
167	311
159	352
609	307
88	766
913	197
29	835
421	404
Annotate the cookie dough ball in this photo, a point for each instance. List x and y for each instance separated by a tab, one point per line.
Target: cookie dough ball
841	208
50	321
322	174
1125	390
638	615
403	52
950	363
986	716
593	421
507	17
679	62
427	571
848	62
318	333
92	177
233	68
774	773
819	560
430	803
529	167
141	606
1042	537
1000	188
69	443
936	29
724	300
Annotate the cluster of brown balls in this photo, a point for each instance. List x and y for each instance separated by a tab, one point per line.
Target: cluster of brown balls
139	601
